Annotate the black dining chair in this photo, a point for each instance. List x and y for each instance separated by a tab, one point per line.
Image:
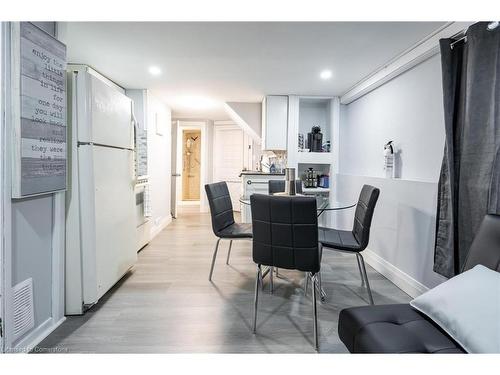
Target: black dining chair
278	186
223	224
285	235
355	240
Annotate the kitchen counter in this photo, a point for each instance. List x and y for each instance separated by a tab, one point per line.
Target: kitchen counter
257	173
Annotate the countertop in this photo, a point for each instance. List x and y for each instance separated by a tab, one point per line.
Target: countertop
257	173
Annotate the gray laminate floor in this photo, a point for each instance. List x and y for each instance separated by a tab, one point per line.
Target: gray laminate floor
167	305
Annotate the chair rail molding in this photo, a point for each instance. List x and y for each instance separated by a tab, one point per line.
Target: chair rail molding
416	54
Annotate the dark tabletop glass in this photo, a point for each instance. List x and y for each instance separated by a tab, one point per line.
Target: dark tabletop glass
323	205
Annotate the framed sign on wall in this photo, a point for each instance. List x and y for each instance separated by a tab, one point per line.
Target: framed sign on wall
38	82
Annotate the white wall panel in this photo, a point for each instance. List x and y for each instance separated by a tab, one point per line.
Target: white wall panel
159	161
409	111
34	225
403	227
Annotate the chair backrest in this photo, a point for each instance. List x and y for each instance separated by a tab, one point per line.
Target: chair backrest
285	232
485	248
364	214
278	186
221	207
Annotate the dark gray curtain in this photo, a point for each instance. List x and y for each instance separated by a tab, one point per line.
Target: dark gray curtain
470	173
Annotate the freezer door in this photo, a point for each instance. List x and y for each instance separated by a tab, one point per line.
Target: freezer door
115	221
111	115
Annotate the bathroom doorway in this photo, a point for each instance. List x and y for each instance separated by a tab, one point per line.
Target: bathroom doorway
191	165
190	157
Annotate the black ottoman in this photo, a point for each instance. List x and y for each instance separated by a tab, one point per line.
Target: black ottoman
392	329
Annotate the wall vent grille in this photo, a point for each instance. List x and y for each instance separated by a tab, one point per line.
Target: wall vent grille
24	316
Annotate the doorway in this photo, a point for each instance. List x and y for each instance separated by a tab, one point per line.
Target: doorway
191	165
190	157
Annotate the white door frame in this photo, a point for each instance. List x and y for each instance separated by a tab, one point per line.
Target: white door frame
220	126
6	190
2	191
174	175
192	125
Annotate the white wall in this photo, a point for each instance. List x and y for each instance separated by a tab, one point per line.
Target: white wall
248	116
32	255
159	161
403	228
35	243
209	166
409	111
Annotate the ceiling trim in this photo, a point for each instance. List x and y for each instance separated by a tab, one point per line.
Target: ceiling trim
421	51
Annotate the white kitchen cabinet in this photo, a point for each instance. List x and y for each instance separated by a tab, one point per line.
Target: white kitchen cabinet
274	122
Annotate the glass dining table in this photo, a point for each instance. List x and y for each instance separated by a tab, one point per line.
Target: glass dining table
324	205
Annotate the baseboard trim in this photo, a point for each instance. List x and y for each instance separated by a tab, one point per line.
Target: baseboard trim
163	224
36	336
402	280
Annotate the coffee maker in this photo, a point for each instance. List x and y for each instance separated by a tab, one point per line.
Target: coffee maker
315	139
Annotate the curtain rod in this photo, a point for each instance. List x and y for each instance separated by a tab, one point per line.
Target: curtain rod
491	26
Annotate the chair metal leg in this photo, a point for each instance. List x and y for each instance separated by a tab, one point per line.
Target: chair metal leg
315	314
263	275
256	298
213	260
322	293
261	281
320	286
306	284
360	272
271	281
365	277
229	251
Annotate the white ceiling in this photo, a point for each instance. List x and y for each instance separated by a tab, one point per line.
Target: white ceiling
237	61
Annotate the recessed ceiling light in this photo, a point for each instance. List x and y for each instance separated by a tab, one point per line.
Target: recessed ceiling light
154	70
326	74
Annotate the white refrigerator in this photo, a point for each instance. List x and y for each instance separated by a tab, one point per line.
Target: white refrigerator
100	219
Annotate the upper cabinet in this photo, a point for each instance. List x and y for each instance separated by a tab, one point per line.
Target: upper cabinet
274	122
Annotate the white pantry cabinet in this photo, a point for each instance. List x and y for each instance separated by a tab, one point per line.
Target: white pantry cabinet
274	122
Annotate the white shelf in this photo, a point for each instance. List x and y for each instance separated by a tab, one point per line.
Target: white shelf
315	157
315	111
315	190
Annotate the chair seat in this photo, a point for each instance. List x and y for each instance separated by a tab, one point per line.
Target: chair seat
236	230
338	239
392	329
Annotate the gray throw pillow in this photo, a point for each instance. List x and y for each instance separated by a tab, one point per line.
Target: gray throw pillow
467	307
